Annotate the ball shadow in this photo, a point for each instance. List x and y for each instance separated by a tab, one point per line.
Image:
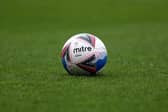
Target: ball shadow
87	75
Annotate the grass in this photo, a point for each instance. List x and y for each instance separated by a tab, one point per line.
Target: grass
32	78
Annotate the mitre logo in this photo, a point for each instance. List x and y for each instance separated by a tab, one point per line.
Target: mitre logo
81	49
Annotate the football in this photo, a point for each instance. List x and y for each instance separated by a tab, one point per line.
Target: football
83	54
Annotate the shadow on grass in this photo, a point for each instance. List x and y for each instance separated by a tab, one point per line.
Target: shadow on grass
87	75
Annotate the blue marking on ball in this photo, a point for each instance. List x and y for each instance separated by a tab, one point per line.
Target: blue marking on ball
100	63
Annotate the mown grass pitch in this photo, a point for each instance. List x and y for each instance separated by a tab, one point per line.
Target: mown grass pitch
32	78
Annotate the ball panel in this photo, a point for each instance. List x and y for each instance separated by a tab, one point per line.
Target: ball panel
64	50
76	70
88	64
65	65
100	63
80	51
87	68
88	38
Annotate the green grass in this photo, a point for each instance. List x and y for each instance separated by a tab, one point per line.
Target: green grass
32	78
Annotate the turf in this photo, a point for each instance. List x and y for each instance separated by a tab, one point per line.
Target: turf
32	78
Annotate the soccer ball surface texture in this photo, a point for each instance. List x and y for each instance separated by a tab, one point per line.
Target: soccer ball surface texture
84	54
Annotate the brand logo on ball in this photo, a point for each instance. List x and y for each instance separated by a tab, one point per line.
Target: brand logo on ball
81	49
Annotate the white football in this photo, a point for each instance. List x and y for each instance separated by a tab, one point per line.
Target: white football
84	54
